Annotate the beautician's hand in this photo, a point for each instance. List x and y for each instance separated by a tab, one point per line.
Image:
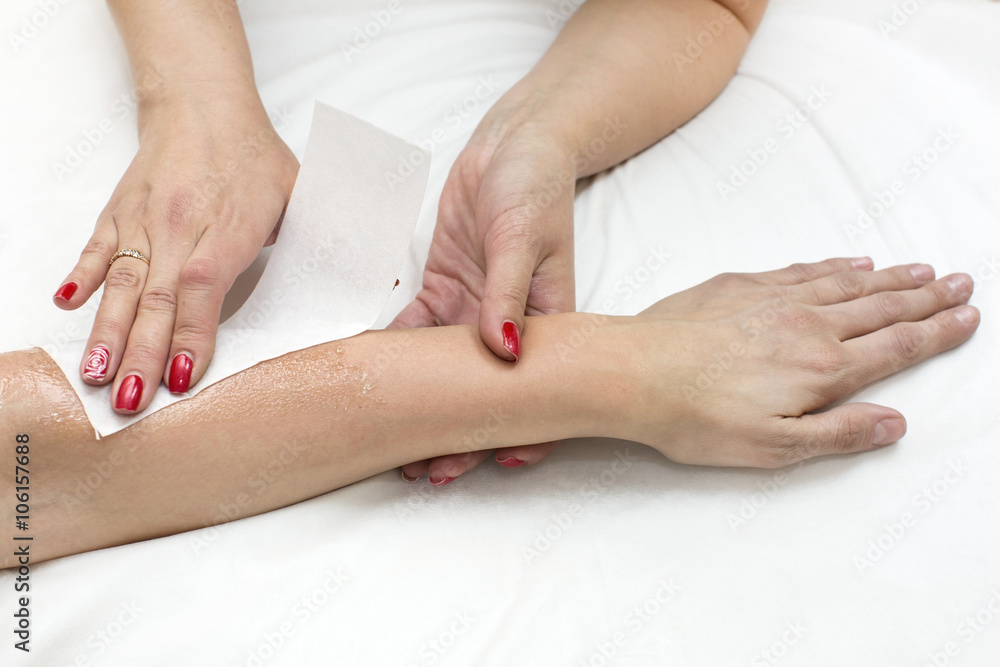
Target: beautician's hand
737	368
502	248
610	85
203	195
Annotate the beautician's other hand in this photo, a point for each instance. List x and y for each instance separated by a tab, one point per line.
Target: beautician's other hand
502	248
205	192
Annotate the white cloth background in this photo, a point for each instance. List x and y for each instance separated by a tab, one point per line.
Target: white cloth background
637	558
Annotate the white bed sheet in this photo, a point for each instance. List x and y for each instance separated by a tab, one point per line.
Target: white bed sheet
607	554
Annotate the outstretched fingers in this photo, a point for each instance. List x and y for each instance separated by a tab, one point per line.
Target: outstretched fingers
801	273
893	348
877	311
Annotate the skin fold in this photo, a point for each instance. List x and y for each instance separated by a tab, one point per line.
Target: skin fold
799	339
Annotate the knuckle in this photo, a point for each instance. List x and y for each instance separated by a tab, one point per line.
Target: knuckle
516	227
798	319
849	284
726	280
906	342
892	307
158	300
193	331
122	278
851	433
180	205
801	271
201	273
111	328
97	249
828	360
779	453
141	354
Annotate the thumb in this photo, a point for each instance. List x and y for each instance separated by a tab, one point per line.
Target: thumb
505	295
846	429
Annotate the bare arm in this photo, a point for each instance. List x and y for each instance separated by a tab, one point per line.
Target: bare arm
315	420
197	50
623	74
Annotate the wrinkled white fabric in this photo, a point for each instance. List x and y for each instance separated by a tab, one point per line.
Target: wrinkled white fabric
607	553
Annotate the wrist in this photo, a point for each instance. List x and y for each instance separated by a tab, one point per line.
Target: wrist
527	113
201	105
590	369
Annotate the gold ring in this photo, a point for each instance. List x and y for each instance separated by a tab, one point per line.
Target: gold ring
134	254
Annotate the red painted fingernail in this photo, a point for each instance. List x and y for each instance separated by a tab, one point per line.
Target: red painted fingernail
180	374
439	482
512	339
97	363
511	462
67	291
129	394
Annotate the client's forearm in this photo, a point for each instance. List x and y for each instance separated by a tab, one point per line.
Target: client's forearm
293	428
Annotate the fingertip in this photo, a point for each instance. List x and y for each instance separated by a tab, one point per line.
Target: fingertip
128	397
64	295
515	457
179	373
444	469
411	472
510	333
967	316
862	263
888	431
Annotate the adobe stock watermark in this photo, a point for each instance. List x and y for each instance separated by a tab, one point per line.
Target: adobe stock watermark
635	620
913	170
266	304
435	647
780	647
109	633
257	483
723	361
557	18
32	24
478	439
365	34
562	522
453	119
271	642
753	503
900	15
121	108
253	146
630	283
711	30
583	161
91	479
988	268
971	627
786	127
923	501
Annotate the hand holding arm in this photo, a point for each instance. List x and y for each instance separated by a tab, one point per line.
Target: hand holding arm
616	80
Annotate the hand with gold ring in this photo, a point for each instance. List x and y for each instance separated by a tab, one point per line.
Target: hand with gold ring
203	195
